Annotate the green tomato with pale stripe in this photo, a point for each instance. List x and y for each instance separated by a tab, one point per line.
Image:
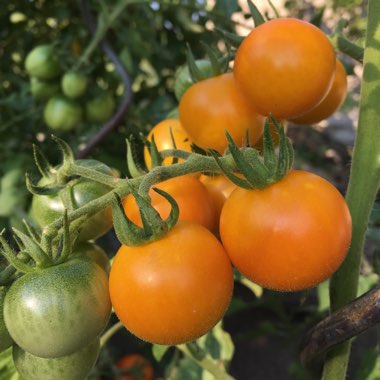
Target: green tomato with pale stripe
56	311
75	366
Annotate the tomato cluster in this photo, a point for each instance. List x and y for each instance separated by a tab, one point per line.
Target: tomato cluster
287	235
65	94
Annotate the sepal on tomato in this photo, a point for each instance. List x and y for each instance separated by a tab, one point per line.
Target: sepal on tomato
259	172
133	168
153	226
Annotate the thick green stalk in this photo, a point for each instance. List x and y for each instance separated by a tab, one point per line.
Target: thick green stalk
363	185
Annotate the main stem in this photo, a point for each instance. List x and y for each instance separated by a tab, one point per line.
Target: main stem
362	188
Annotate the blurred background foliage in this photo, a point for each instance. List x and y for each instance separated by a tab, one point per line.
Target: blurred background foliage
150	39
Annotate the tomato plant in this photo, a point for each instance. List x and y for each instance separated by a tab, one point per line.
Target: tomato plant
172	290
331	102
285	66
74	84
162	133
194	201
42	62
213	106
62	114
75	366
56	311
135	367
295	233
46	209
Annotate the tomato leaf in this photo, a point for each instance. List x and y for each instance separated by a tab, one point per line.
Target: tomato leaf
159	351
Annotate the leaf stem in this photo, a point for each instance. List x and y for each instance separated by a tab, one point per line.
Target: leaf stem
206	362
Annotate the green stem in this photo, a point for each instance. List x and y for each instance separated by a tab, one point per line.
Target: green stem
362	188
206	362
110	333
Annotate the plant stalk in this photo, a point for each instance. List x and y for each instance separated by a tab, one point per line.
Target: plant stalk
362	188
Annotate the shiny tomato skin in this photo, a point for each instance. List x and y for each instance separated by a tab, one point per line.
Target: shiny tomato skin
137	366
193	199
219	188
75	366
291	235
331	103
173	290
285	66
211	107
163	139
56	311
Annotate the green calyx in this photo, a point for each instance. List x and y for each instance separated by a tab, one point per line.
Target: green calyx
259	171
35	251
153	228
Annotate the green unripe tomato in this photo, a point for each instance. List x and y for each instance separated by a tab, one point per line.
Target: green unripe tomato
62	114
5	339
42	63
43	90
56	311
74	84
100	109
183	78
92	252
76	366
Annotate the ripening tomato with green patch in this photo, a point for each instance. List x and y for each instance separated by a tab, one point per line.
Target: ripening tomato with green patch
194	202
55	311
172	290
285	67
291	235
162	133
331	103
213	106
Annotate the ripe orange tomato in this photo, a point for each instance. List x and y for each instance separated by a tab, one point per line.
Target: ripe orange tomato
194	202
285	66
173	290
331	102
163	139
136	366
291	235
211	107
219	188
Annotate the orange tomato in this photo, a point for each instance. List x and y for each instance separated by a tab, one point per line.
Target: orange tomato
331	102
172	290
285	66
163	139
213	106
195	204
219	188
289	236
136	366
